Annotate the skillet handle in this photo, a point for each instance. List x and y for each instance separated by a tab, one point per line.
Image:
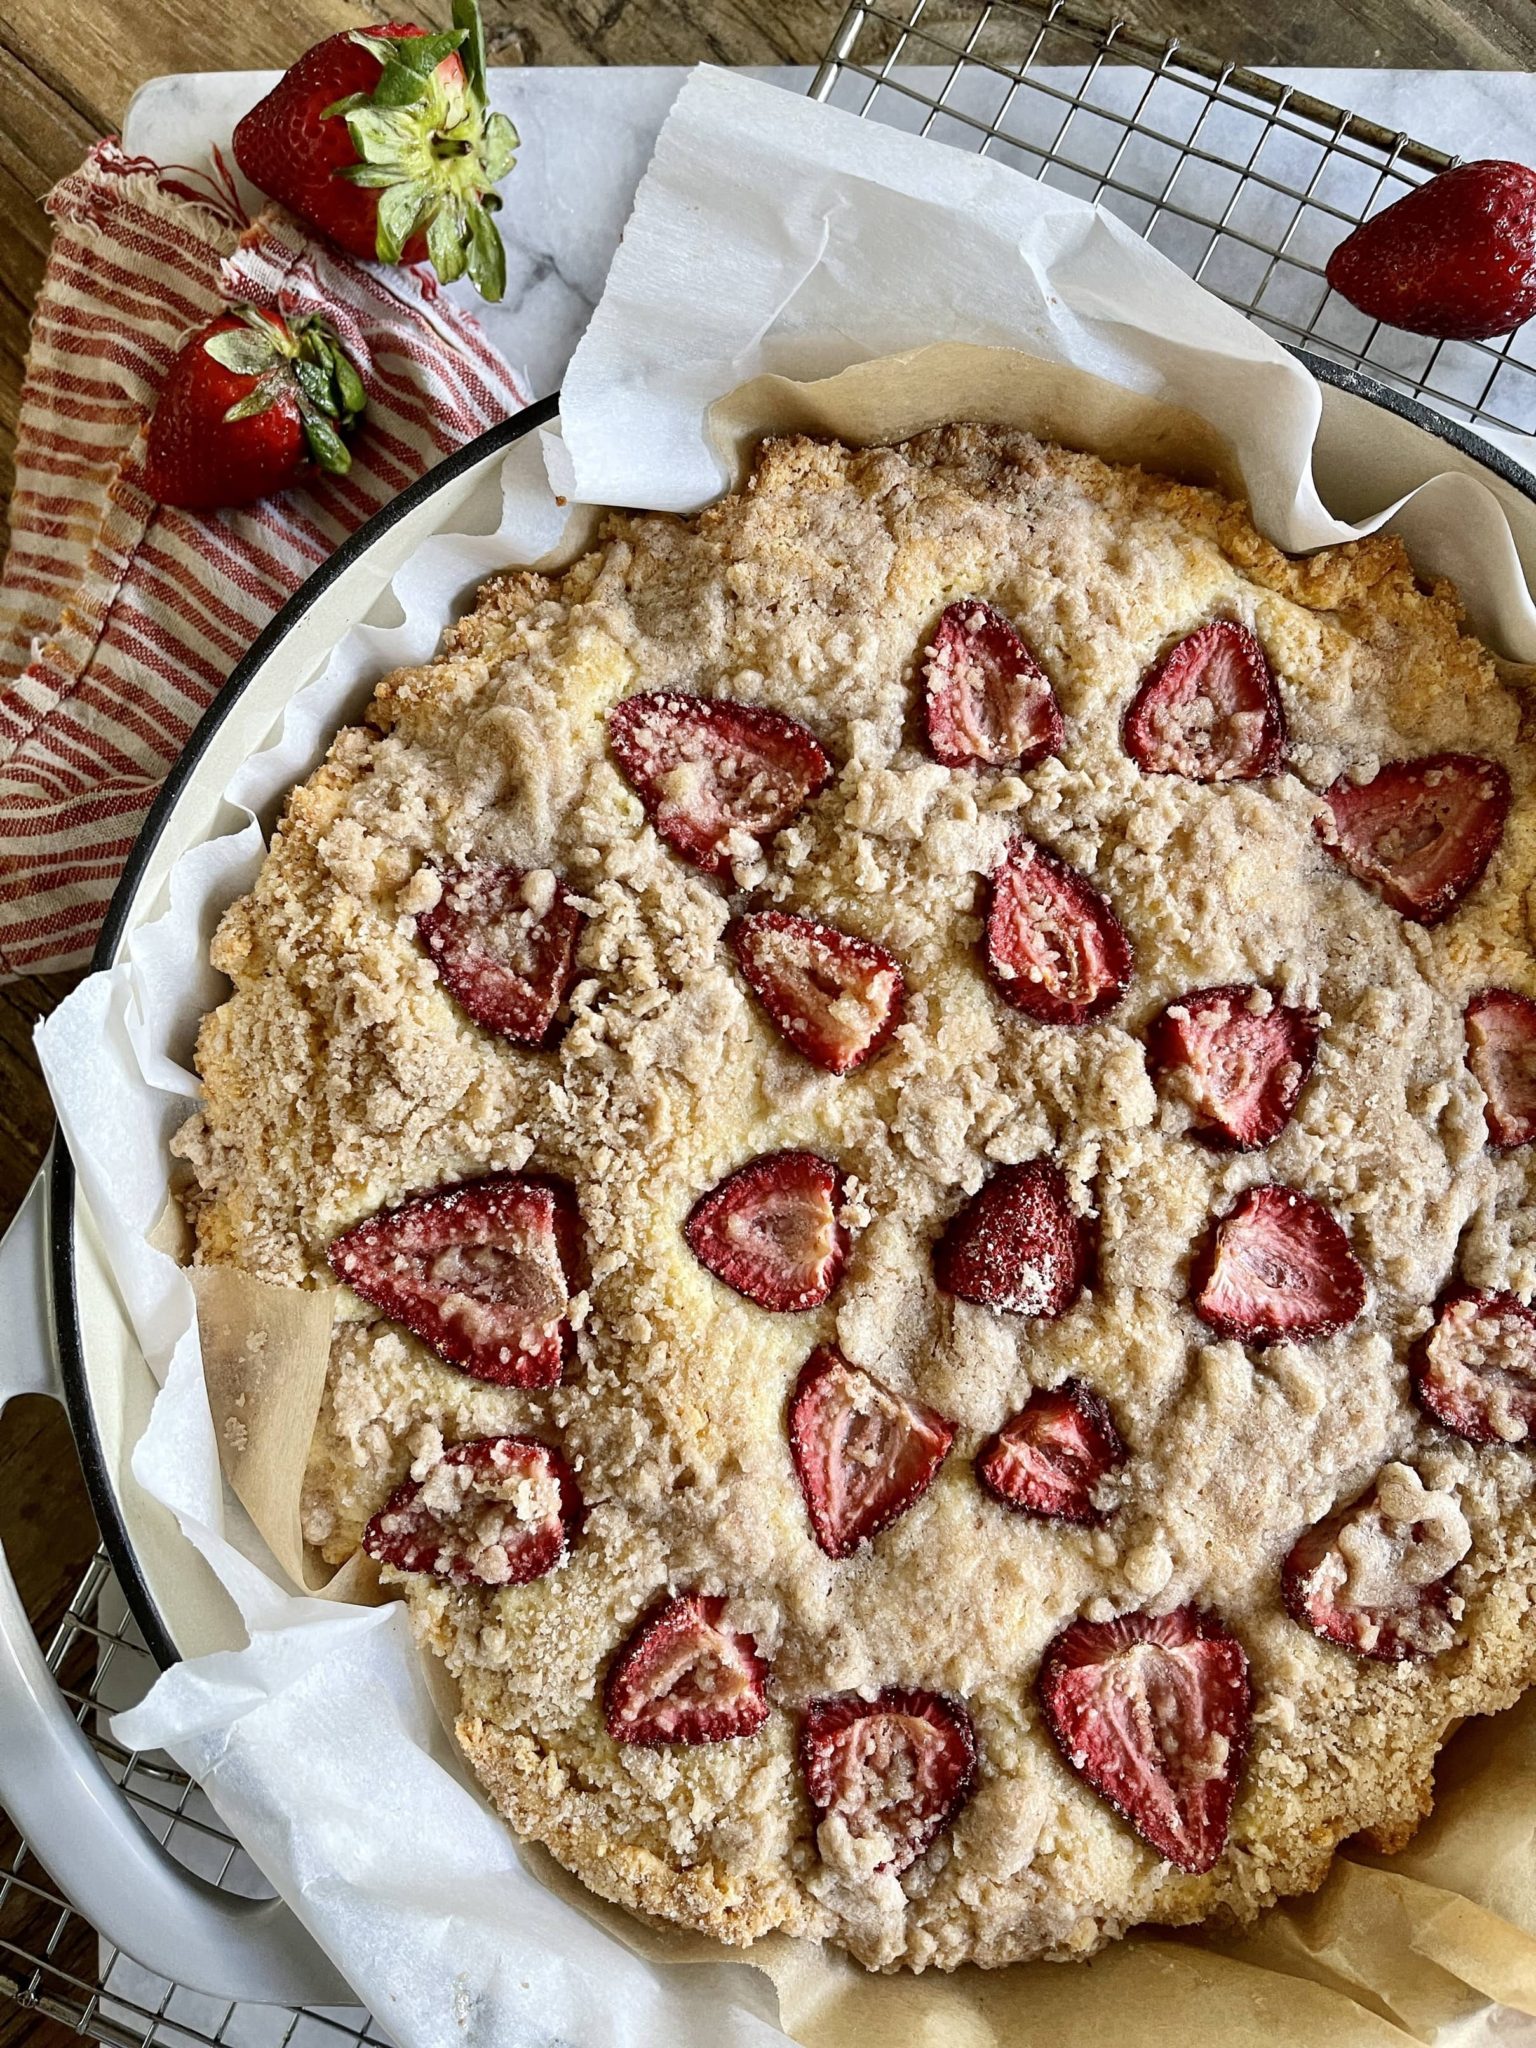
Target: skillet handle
56	1789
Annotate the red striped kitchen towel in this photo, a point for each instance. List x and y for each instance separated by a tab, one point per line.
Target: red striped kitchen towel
119	619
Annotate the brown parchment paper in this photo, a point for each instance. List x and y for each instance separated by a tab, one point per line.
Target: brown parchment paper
265	1351
1436	1944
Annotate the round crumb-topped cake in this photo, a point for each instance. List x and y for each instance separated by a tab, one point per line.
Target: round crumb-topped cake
920	1091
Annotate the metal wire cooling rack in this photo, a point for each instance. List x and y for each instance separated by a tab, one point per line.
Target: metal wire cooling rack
51	1962
1245	183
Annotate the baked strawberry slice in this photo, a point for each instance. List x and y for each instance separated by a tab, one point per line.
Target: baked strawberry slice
685	1676
1209	710
987	702
1501	1051
1154	1711
1475	1370
505	940
894	1770
1056	949
712	774
836	998
1419	832
862	1454
482	1271
1375	1576
770	1230
1049	1458
498	1511
1238	1058
1277	1265
1018	1245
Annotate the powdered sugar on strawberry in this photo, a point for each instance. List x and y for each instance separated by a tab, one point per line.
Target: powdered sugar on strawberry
716	777
1375	1577
498	1511
1474	1371
1209	710
1018	1245
987	702
1501	1051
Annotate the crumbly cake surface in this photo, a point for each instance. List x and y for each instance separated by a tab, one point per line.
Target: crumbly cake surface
341	1077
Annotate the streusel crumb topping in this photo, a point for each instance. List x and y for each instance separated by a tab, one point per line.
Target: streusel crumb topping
881	785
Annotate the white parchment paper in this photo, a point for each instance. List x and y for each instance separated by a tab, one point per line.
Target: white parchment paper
770	238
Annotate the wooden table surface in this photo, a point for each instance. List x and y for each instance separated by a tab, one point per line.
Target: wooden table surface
68	69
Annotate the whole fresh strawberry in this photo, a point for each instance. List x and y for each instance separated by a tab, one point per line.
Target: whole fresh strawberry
253	404
1455	258
381	140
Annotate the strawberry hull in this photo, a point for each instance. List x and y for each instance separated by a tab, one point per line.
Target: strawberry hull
382	140
253	404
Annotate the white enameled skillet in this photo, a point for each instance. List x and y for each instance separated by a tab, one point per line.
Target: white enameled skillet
70	1337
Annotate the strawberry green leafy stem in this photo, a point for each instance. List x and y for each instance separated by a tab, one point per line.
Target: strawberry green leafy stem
427	142
301	357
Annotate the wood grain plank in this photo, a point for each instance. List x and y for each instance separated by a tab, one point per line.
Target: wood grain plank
112	49
1407	34
42	134
660	31
1491	34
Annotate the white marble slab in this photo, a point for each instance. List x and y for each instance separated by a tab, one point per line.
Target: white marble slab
586	137
587	134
